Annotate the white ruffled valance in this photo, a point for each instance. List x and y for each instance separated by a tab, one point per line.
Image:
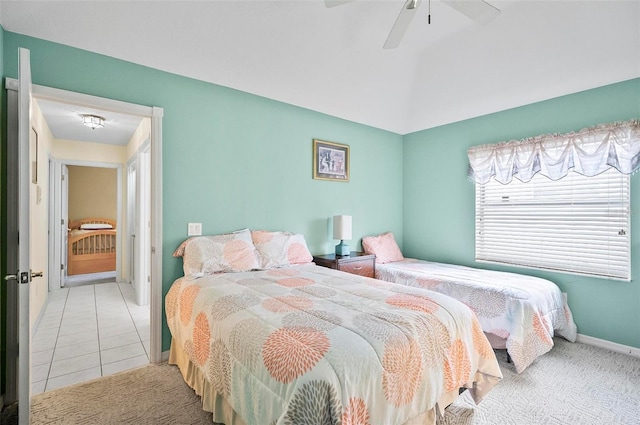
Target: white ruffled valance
589	152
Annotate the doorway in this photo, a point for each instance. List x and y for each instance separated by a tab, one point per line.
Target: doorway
92	194
92	324
85	206
155	115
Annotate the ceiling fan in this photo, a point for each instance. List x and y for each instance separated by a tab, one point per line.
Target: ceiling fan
477	10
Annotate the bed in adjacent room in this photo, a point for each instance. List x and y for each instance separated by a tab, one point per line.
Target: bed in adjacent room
517	312
91	246
264	336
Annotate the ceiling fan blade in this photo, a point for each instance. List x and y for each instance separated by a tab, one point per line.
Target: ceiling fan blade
477	10
401	25
334	3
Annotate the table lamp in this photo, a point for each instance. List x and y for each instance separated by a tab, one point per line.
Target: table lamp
342	231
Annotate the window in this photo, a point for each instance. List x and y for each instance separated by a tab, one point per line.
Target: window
576	224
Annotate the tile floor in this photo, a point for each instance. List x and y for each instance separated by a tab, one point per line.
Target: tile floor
87	332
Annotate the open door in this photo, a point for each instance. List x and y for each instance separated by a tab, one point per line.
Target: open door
58	224
24	270
64	219
19	273
143	241
132	184
139	219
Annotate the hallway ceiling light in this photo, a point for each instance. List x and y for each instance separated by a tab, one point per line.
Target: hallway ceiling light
92	121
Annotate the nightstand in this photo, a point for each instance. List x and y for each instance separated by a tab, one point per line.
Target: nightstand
357	263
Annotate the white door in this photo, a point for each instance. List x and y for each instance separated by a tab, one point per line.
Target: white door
24	271
131	221
139	223
64	219
143	239
58	224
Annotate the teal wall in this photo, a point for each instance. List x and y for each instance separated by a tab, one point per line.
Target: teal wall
233	160
439	201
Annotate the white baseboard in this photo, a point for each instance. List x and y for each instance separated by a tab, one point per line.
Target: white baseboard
613	346
165	356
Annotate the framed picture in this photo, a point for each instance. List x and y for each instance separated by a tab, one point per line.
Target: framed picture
330	161
34	151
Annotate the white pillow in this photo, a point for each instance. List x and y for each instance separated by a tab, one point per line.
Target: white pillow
280	249
95	226
231	252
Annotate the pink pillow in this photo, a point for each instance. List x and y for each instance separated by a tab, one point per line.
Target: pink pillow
280	249
232	252
384	246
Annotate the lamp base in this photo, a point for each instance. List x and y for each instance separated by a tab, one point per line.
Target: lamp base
343	249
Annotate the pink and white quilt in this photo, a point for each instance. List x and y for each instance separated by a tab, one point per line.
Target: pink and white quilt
525	311
291	345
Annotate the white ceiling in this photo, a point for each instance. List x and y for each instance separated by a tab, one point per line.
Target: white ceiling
331	59
65	123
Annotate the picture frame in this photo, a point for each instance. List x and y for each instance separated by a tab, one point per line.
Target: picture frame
330	161
33	138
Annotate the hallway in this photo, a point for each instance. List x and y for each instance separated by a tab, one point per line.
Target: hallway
87	332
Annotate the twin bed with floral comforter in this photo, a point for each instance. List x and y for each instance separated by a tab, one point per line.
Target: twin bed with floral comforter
301	344
517	312
520	313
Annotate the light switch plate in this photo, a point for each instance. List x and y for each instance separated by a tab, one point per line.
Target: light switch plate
194	229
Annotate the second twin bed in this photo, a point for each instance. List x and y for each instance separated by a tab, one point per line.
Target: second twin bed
517	312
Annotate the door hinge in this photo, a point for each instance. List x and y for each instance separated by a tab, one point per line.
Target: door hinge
61	266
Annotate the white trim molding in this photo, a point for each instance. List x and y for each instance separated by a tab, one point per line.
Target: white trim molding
156	234
51	93
609	345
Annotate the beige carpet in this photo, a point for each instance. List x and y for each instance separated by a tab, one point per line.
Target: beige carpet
573	384
153	394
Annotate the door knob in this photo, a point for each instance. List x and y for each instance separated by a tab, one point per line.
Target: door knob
21	277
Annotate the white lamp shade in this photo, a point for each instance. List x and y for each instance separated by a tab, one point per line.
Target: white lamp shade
342	227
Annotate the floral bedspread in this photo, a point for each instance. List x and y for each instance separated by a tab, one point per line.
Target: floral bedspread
296	345
523	310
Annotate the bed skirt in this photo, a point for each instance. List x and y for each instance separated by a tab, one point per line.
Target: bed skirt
212	401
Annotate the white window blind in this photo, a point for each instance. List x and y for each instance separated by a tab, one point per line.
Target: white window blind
576	224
